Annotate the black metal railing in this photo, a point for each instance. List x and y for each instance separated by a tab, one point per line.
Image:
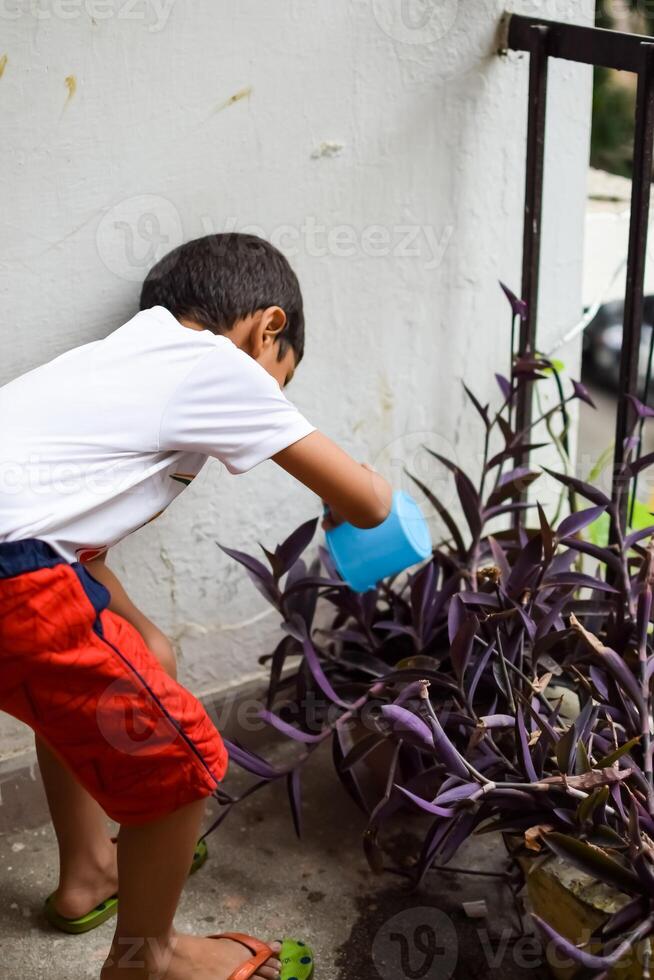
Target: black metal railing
543	40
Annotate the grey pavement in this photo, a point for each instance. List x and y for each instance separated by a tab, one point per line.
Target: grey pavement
261	879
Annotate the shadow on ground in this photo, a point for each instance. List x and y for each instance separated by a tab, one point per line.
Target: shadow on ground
260	879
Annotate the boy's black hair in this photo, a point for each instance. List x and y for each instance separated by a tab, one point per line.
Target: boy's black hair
218	279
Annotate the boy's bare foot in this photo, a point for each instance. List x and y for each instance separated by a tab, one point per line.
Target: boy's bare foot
81	889
182	958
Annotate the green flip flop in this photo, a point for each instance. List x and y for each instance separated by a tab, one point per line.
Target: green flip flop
296	959
105	910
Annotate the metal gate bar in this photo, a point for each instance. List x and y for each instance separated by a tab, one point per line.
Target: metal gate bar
544	39
538	61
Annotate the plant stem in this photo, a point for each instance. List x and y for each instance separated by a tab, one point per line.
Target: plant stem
505	673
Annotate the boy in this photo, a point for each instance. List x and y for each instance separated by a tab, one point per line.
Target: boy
93	445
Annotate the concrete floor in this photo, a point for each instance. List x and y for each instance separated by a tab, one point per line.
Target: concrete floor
260	879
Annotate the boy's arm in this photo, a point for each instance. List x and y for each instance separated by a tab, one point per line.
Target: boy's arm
351	490
120	603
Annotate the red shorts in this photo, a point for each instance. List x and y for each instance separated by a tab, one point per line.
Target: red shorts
84	680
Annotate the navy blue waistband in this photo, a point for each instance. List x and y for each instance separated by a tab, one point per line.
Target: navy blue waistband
19	557
22	557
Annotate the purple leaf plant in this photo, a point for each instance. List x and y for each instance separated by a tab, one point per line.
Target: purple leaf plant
457	669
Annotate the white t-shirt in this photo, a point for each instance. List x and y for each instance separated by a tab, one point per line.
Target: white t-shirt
102	439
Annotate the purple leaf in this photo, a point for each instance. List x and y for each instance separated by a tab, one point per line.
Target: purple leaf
431	844
249	761
278	659
640	464
605	555
524	751
481	599
550	620
412	690
517	449
642	411
518	306
500	559
512	508
497	721
482	409
569	951
579	580
395	629
347	776
258	573
328	563
425	805
598	678
291	549
289	730
422	593
625	917
456	793
461	647
582	393
479	670
296	627
505	387
460	832
585	489
470	502
408	726
456	617
635	536
511	484
443	513
527	565
576	522
528	622
445	749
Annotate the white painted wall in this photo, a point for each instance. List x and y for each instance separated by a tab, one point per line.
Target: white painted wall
386	156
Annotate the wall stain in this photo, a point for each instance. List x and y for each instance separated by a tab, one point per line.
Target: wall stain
243	93
71	84
3	64
328	148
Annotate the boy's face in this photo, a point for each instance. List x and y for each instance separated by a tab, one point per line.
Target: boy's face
282	371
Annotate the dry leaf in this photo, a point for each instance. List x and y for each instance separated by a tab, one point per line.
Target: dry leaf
533	835
590	780
539	685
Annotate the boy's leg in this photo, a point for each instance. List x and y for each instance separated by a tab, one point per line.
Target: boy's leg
88	872
153	862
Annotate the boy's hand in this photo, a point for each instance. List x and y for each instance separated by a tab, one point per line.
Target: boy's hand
156	641
352	492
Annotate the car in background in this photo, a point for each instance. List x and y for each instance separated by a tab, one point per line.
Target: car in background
603	342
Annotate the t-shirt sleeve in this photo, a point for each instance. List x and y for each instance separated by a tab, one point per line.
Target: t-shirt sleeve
229	407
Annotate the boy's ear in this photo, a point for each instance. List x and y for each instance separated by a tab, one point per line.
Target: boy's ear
266	329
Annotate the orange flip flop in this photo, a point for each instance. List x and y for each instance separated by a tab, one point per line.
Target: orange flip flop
296	957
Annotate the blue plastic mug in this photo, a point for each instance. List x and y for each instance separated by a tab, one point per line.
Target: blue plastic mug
364	556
